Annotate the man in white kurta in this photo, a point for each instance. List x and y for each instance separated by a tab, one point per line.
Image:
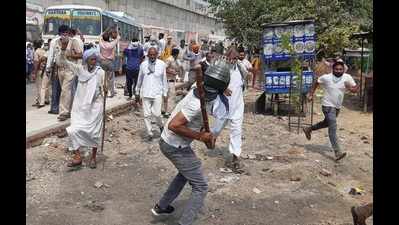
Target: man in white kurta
87	109
152	85
235	116
248	66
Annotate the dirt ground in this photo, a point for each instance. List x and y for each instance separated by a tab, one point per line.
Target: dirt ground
283	183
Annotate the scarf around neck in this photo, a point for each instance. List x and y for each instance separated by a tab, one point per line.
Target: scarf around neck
211	94
151	66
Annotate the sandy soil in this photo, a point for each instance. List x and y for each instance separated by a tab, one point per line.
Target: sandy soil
288	189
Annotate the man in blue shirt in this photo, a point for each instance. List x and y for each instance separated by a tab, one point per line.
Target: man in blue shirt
133	55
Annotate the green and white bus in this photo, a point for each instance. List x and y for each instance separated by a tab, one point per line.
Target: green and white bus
91	21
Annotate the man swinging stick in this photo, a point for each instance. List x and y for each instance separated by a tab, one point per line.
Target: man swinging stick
184	125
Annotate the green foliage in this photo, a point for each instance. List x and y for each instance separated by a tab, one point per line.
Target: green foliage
335	20
296	69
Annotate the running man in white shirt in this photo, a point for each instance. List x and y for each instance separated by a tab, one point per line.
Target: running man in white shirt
334	86
152	85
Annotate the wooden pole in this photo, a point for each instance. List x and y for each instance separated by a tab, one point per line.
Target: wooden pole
200	87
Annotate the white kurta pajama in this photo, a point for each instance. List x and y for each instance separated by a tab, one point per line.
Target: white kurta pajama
152	86
235	115
87	109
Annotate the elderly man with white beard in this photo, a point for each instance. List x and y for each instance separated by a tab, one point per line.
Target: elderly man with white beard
152	85
87	109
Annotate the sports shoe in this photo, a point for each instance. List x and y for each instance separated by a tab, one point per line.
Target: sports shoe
339	156
307	132
157	211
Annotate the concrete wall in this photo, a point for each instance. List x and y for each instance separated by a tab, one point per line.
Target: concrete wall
170	14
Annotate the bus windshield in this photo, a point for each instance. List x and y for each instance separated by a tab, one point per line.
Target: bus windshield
51	25
87	21
54	18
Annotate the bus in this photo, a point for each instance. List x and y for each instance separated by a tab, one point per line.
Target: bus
32	30
91	21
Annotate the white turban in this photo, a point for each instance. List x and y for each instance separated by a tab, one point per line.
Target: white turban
89	53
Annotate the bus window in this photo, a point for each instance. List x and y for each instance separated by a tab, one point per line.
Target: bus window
123	32
131	34
107	23
128	32
119	24
87	21
141	38
54	18
135	34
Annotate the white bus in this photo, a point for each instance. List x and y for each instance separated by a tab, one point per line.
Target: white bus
91	21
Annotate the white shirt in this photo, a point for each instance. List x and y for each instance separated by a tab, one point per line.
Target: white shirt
334	89
152	85
247	64
162	45
53	50
236	100
181	52
190	107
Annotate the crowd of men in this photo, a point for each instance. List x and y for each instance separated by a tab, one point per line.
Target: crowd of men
161	80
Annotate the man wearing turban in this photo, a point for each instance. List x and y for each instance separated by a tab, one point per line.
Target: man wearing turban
87	109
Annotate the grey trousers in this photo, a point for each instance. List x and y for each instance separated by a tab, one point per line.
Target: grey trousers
189	169
330	121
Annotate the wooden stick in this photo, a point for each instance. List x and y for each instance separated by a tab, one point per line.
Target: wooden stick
200	87
104	116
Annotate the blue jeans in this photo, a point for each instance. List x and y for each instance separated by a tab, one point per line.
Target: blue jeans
29	68
55	93
330	121
189	170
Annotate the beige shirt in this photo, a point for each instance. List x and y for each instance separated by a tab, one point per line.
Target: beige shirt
37	57
173	66
75	46
39	53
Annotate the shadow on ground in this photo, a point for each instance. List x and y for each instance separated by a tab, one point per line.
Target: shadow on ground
320	149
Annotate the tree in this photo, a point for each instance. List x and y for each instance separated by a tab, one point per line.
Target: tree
335	20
